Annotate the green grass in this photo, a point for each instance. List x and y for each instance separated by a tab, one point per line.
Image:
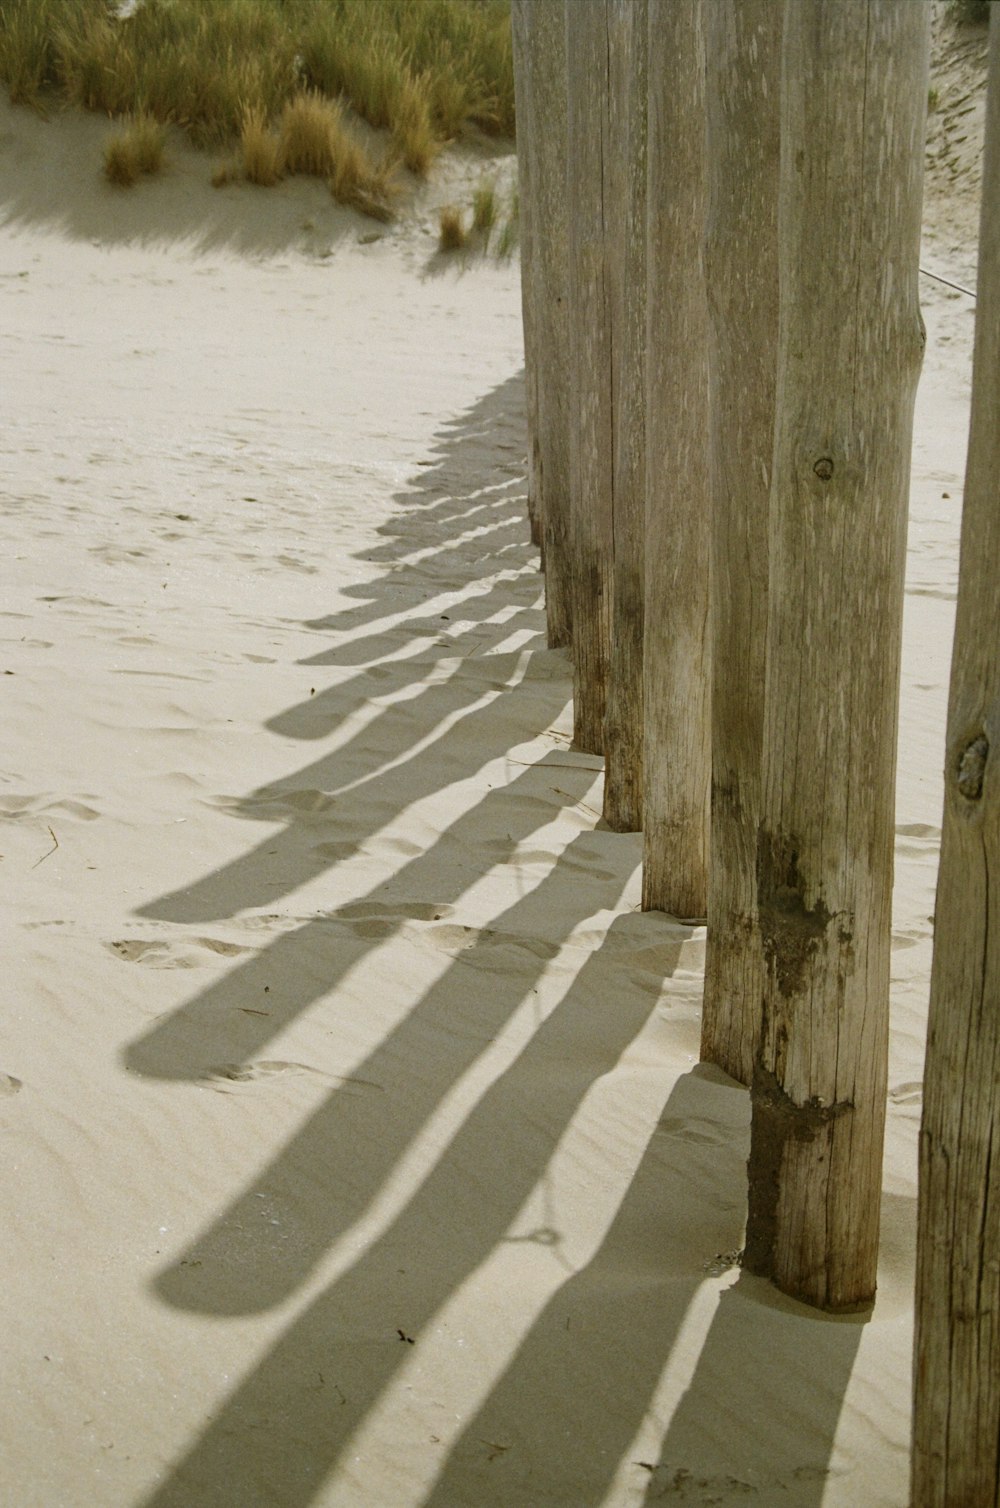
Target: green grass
459	232
484	211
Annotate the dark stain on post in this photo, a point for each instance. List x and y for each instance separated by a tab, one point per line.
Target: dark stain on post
972	767
791	931
777	1120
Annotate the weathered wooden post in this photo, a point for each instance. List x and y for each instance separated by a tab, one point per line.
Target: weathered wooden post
743	60
539	36
677	750
590	190
956	1420
854	94
627	253
526	146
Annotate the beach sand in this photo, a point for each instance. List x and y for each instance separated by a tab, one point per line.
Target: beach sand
355	1147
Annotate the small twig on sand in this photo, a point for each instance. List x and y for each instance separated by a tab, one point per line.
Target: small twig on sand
582	804
50	851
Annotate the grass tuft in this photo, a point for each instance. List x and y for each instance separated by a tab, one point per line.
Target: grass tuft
312	136
263	158
315	140
484	211
453	233
136	150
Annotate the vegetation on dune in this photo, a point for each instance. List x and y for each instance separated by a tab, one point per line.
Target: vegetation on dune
484	209
456	234
229	70
135	150
453	232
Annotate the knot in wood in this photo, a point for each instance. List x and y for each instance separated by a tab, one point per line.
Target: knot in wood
972	768
824	468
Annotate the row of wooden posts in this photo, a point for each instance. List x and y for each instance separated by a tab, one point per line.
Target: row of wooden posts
721	206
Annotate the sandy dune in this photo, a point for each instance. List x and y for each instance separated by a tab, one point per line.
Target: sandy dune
355	1150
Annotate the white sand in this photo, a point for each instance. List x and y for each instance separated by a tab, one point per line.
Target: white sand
330	1022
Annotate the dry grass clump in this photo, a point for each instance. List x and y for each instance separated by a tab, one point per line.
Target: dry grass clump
314	139
136	150
224	70
262	158
312	135
453	235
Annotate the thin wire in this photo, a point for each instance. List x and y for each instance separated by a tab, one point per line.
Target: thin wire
947	282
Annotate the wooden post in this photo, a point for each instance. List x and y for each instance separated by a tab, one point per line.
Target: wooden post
854	96
743	59
590	189
956	1421
623	722
520	22
540	78
677	747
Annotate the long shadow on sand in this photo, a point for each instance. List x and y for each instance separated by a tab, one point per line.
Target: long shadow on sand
451	1225
444	689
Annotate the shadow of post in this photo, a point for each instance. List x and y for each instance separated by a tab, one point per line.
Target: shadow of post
759	1418
571	1402
276	1439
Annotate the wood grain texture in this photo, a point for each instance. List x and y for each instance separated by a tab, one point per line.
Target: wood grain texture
956	1426
854	93
590	189
539	36
520	21
627	255
743	59
677	747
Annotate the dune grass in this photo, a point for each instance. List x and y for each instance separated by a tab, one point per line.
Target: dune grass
273	79
421	69
457	233
135	150
261	156
484	210
314	139
453	233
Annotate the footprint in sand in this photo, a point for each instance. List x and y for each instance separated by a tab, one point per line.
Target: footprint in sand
17	808
226	1076
377	919
157	953
336	851
248	1073
471	945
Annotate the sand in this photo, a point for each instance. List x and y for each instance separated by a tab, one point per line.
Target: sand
355	1148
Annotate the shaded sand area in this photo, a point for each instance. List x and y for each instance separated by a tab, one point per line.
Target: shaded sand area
355	1150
